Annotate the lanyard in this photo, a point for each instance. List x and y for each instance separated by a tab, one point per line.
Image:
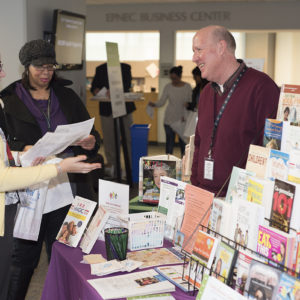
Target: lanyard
46	116
220	114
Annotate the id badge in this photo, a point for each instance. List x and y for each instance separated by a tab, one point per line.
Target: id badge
208	168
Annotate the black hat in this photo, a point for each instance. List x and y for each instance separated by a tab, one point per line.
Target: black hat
38	53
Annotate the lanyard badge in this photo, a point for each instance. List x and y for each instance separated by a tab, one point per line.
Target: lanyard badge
209	161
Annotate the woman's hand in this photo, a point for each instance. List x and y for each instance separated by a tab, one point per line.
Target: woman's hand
152	104
76	165
38	161
87	143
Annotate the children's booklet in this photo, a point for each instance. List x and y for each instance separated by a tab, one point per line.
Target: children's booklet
150	172
272	134
205	248
224	262
289	103
76	221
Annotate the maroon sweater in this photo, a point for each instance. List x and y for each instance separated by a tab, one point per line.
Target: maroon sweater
254	99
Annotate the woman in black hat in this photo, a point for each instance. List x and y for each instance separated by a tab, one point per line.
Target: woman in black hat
34	105
13	178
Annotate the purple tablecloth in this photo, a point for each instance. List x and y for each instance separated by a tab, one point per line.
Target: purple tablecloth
67	277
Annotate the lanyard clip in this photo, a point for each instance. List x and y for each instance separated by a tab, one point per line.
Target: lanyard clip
209	153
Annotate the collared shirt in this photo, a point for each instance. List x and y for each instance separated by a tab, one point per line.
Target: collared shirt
229	82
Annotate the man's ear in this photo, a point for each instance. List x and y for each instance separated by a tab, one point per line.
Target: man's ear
221	47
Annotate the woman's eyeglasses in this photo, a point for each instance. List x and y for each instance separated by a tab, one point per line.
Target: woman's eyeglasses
1	66
49	68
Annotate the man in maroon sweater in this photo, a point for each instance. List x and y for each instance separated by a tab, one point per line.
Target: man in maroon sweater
251	97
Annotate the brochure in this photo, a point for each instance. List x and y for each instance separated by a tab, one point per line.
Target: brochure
133	284
76	221
114	198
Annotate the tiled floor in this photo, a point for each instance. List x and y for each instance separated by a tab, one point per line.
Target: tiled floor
37	282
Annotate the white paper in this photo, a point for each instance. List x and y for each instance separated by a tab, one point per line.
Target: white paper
133	284
150	111
102	92
107	267
152	70
217	290
55	142
114	197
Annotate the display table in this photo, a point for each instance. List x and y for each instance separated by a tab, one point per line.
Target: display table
67	277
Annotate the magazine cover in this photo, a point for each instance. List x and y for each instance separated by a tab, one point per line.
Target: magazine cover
262	281
151	170
282	206
238	184
96	225
224	262
289	103
272	134
76	221
205	248
272	245
257	160
289	288
277	166
246	217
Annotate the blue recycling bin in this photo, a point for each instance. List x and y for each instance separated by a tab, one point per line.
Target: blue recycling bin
139	147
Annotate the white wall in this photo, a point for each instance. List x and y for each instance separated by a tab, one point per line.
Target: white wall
13	35
287	59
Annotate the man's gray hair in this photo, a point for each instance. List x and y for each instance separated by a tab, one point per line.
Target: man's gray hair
221	33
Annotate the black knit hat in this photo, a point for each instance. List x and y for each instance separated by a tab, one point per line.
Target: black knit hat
38	53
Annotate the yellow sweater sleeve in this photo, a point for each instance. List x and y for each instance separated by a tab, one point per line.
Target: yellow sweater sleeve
13	178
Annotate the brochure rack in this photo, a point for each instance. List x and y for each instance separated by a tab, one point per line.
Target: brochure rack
200	269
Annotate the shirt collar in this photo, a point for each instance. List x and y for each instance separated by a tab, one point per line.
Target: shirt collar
229	82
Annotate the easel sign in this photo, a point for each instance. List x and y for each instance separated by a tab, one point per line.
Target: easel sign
115	80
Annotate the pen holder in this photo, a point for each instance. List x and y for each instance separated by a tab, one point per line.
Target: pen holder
116	240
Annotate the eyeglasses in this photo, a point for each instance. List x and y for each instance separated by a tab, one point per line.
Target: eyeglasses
49	68
1	67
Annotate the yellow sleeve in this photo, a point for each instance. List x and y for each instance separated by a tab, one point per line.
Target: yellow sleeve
13	178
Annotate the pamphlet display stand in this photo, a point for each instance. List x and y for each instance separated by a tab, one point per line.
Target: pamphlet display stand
200	269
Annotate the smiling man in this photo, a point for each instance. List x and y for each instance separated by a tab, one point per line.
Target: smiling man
232	109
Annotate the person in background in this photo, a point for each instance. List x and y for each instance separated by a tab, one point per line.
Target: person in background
100	81
178	93
33	106
13	178
200	84
232	110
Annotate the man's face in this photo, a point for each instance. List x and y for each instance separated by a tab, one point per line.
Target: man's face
205	55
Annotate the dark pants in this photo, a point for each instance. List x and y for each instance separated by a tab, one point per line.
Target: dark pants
6	248
26	254
170	140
